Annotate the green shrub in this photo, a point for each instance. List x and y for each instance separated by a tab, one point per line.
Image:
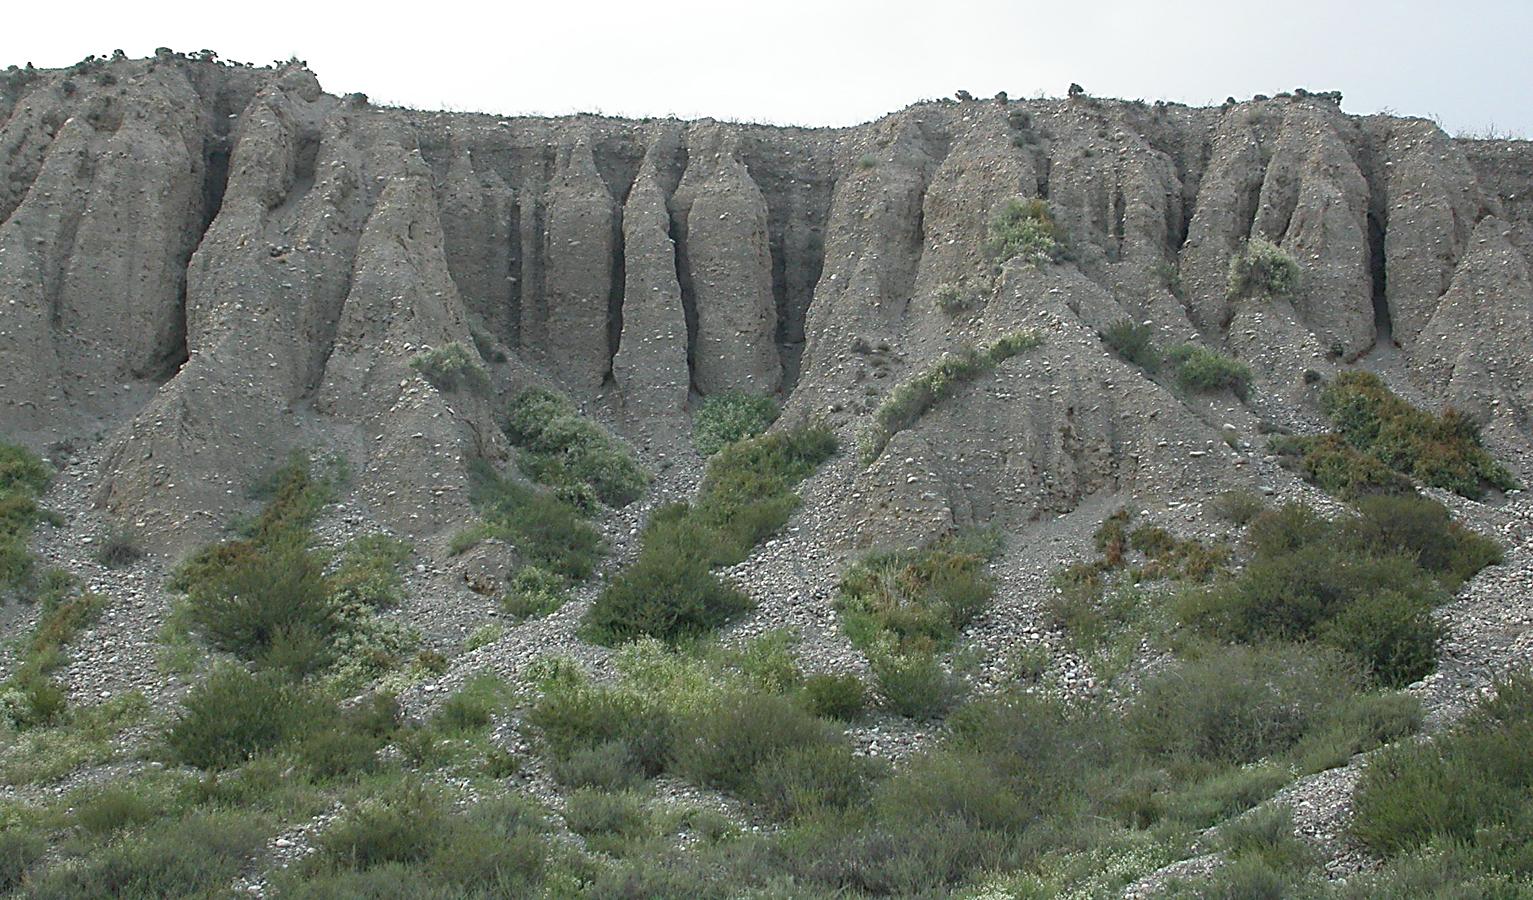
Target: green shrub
722	745
23	478
197	856
20	849
915	684
568	452
1268	835
406	825
1442	451
573	716
471	707
1334	466
840	697
275	596
547	532
1025	229
918	600
729	417
452	367
1239	506
233	715
803	781
1239	704
1262	269
1201	369
670	592
1423	529
114	808
908	402
1363	584
610	823
1134	343
1472	786
534	592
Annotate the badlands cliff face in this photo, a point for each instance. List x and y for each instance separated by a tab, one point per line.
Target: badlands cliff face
207	266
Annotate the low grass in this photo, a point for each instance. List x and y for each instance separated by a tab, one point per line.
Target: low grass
908	402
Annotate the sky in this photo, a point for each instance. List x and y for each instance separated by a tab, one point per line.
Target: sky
837	62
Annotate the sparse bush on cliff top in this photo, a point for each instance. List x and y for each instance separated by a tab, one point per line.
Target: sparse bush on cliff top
1262	269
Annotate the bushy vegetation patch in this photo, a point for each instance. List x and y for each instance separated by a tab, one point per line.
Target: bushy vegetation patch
546	531
452	368
670	591
23	478
908	402
1262	269
1381	443
1134	343
29	698
534	592
569	453
1442	451
1468	793
954	299
918	600
1203	370
1365	584
731	416
1025	229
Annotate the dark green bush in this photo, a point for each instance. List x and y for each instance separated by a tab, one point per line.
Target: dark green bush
20	848
277	593
1134	343
610	823
841	697
1442	451
1239	506
1472	786
1201	369
534	592
729	417
914	684
1262	269
573	716
119	547
234	715
23	478
406	825
670	591
806	780
1239	704
1363	584
198	856
564	450
721	746
547	532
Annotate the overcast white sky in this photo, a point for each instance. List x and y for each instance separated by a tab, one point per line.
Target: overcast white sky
1466	63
